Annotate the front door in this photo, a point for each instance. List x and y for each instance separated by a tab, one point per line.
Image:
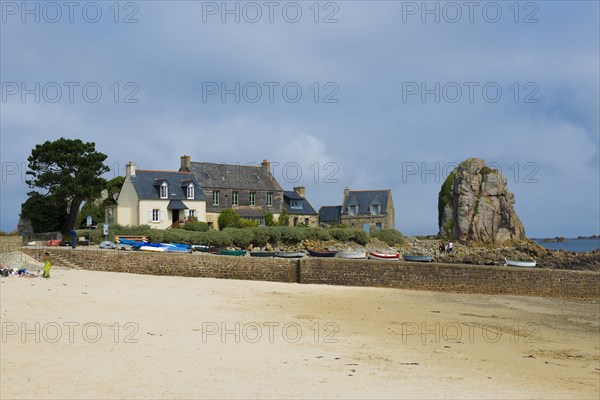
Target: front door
175	215
367	227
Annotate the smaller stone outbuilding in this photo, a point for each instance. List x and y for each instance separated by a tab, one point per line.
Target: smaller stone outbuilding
300	211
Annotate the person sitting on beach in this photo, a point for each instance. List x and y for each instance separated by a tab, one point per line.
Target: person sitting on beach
47	265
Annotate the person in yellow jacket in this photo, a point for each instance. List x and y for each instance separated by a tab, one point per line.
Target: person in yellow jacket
47	266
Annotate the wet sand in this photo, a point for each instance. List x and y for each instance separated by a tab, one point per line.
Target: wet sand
110	335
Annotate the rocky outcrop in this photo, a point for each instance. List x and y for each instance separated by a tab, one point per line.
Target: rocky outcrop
475	206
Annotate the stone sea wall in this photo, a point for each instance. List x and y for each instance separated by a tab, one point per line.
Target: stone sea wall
584	285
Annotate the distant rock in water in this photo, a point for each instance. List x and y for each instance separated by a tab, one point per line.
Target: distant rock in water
474	205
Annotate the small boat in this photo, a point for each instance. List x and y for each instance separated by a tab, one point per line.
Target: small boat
384	256
517	263
352	255
322	253
107	245
417	258
200	247
152	248
289	254
262	254
237	253
53	242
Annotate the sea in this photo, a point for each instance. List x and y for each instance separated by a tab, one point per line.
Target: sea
577	245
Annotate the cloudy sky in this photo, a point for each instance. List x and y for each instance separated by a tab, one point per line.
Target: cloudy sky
365	94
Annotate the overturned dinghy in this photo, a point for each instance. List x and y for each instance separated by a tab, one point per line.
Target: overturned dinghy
384	256
289	254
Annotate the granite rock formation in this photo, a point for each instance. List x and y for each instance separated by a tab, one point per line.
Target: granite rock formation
475	205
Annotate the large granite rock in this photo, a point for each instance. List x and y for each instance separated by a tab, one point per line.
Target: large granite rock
476	206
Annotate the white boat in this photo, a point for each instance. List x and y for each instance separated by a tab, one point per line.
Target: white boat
517	263
352	254
152	248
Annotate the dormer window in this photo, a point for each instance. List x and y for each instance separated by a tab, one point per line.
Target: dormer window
190	191
353	210
375	209
296	204
164	191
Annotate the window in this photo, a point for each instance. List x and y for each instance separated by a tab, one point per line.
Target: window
235	198
190	191
164	193
270	199
192	213
155	215
261	222
306	221
252	198
376	209
297	204
216	198
378	226
352	210
295	221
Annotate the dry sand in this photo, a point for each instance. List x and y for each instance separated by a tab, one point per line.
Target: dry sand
166	344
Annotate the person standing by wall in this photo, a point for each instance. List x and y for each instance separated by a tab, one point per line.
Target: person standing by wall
73	238
450	247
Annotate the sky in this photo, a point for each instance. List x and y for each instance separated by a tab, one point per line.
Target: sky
358	94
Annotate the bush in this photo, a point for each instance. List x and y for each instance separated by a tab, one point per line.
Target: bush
390	236
156	236
269	219
274	234
217	238
174	236
229	219
342	235
293	235
361	237
239	237
260	236
195	225
319	234
248	223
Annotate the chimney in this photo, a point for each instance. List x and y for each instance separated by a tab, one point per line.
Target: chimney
301	190
130	169
185	163
266	165
346	193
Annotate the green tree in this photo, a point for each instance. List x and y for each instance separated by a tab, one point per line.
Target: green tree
45	213
96	207
229	219
269	219
70	170
283	218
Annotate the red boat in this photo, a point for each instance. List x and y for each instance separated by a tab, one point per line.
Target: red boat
53	242
383	256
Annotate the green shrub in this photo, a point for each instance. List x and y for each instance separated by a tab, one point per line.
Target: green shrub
445	195
342	235
239	237
269	219
274	234
156	236
361	237
218	238
229	219
293	235
318	234
195	225
260	236
390	236
248	223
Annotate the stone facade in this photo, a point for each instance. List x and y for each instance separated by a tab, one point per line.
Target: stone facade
583	285
383	219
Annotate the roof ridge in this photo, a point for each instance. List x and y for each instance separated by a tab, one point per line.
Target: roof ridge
228	165
163	170
371	190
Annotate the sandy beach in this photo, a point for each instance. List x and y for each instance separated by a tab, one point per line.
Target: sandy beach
84	335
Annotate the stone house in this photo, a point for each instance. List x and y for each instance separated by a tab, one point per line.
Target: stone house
157	198
250	190
330	216
299	208
367	209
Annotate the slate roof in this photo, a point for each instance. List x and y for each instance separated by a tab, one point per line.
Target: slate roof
364	199
306	207
233	176
147	184
330	214
248	212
